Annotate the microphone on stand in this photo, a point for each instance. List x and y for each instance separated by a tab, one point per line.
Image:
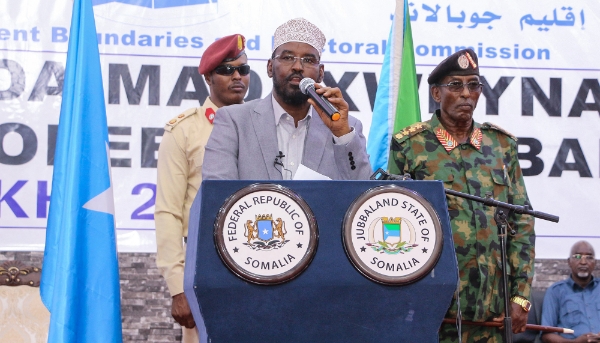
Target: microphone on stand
307	86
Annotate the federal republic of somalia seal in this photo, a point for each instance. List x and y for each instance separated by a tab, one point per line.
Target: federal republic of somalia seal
266	234
392	235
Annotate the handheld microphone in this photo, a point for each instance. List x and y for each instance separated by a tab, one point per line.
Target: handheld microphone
307	86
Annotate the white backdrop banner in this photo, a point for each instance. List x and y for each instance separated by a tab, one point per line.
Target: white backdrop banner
536	60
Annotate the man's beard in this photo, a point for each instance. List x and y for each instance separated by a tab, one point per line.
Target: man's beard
293	96
583	275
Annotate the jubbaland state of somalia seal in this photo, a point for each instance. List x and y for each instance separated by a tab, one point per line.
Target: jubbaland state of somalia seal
266	234
392	235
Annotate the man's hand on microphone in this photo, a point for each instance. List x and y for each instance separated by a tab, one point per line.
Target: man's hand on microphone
334	95
181	312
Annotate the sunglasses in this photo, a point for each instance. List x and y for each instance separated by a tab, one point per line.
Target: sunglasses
227	69
581	256
457	86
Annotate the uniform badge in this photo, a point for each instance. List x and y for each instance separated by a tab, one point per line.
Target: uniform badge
476	137
266	234
463	62
210	114
445	139
471	61
240	42
392	235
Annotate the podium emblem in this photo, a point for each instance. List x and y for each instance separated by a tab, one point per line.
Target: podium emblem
266	234
391	230
392	235
265	228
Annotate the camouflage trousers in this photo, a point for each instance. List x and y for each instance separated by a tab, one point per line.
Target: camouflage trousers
471	334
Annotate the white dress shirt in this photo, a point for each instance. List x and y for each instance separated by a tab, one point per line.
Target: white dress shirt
291	139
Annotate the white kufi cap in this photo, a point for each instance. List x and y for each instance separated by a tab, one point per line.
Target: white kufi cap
299	30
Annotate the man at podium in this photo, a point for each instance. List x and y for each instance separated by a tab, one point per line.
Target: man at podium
478	159
275	137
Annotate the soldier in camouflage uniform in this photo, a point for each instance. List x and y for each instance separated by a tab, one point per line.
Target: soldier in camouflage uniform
472	158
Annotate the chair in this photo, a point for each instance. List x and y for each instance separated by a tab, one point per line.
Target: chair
23	317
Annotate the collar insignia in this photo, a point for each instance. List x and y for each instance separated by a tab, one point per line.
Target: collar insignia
476	137
449	143
210	114
446	139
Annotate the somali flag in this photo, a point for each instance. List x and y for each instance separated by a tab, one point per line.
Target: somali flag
80	273
397	100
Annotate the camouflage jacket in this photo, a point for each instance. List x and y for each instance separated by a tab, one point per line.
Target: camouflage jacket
488	162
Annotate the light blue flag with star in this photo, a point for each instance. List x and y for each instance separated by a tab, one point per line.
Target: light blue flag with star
80	273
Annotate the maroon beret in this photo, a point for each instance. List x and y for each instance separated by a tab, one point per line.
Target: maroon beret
225	49
462	63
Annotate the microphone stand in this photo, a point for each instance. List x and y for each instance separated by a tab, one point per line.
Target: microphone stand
501	217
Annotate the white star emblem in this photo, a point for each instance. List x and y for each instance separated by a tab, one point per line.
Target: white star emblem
105	201
265	231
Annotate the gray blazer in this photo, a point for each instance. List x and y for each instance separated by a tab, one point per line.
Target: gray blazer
243	146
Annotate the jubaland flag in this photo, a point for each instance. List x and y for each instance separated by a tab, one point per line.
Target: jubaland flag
397	99
391	231
80	274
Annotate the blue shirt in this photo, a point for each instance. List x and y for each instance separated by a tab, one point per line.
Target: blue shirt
568	305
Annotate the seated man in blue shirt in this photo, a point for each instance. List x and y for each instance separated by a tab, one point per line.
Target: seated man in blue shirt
574	303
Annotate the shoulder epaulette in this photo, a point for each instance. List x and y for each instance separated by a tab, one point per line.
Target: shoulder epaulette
491	126
173	122
410	131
